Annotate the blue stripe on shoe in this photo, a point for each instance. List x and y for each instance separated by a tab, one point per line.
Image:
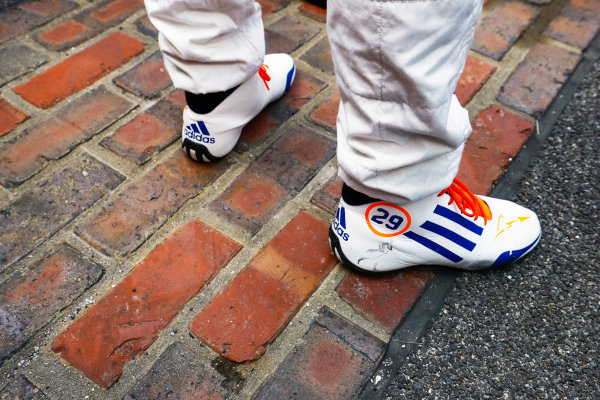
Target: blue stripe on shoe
290	76
511	256
448	234
444	252
459	219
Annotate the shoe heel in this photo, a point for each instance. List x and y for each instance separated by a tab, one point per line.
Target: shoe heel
198	152
334	243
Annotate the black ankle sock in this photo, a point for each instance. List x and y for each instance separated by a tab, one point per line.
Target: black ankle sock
205	103
354	198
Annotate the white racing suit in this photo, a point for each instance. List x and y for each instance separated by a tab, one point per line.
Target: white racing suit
400	129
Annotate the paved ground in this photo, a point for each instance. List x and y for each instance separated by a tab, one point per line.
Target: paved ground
128	271
531	330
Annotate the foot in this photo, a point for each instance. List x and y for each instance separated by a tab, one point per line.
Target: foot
210	137
454	228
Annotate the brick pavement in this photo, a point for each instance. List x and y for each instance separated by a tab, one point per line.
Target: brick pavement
130	272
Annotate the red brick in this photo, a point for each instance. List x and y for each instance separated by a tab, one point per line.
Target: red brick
254	196
179	374
288	34
32	297
116	10
10	116
80	70
256	131
145	205
384	298
280	172
51	204
30	15
328	198
27	153
320	56
501	28
267	7
118	226
147	79
294	158
498	136
577	23
263	297
536	81
326	113
316	12
67	32
178	98
475	74
140	139
333	362
129	318
48	8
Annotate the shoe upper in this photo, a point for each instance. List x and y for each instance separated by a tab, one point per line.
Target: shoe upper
208	137
382	236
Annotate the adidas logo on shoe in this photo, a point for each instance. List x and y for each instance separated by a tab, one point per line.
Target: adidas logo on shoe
339	224
197	131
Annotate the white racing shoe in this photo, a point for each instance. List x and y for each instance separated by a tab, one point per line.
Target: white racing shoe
210	137
455	229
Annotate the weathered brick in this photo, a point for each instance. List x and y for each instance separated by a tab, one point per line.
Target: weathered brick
22	389
65	35
313	11
80	70
536	81
276	175
144	26
10	116
304	88
384	298
48	8
475	74
498	136
144	206
31	297
326	113
140	138
320	56
125	322
577	23
287	34
30	15
263	297
147	79
17	59
26	154
116	10
178	374
328	198
334	362
501	28
43	210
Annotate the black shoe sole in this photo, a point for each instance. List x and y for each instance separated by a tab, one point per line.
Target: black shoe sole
200	151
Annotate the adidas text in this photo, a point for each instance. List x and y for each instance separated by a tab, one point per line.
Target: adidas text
340	232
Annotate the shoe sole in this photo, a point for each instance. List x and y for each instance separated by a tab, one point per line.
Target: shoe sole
200	152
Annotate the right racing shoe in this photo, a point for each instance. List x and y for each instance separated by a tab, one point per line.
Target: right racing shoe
455	229
210	137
